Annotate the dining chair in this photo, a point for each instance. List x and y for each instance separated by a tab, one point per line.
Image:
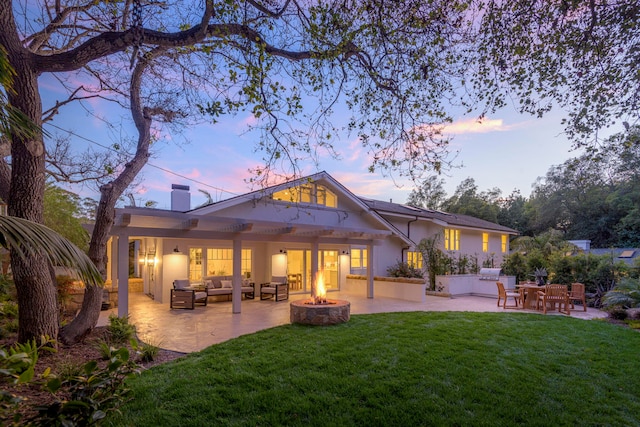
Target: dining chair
508	293
554	294
577	294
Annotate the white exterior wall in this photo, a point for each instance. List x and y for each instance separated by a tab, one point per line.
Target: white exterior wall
470	241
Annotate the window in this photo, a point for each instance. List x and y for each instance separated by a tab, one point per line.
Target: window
451	239
358	258
504	243
414	259
220	262
314	194
247	256
195	264
485	242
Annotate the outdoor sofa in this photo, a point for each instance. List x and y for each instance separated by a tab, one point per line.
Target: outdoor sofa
223	285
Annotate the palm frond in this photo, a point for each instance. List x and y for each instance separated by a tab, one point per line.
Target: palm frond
29	238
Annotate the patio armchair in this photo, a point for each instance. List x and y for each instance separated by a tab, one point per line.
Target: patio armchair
554	294
577	294
505	294
277	288
182	296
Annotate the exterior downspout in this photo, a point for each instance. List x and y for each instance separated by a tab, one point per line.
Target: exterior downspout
409	236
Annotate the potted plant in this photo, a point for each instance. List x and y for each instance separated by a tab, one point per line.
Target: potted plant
541	276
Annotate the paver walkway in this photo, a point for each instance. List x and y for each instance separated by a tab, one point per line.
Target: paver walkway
193	330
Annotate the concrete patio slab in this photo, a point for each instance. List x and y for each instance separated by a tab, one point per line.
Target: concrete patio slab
193	330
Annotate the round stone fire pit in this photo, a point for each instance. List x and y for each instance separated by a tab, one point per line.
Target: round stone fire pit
331	313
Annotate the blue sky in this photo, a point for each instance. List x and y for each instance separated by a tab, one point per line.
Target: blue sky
507	150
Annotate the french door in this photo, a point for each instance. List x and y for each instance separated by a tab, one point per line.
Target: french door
299	269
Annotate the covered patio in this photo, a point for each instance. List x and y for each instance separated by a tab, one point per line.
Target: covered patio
193	330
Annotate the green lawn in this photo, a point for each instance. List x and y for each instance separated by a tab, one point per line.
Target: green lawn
400	369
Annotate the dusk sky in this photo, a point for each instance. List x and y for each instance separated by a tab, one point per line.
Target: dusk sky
507	150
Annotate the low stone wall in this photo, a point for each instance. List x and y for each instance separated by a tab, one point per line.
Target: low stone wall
388	287
75	300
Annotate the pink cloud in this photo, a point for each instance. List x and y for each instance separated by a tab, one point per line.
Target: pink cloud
476	126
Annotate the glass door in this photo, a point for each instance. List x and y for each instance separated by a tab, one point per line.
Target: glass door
328	262
296	262
299	269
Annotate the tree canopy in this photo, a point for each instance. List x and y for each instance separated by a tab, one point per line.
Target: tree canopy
595	196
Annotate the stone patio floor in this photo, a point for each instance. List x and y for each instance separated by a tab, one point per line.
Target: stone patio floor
193	330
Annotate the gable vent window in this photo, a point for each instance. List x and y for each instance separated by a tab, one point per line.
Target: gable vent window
314	194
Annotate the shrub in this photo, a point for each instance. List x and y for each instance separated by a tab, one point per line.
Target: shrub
11	326
618	313
105	349
120	330
91	395
7	288
68	369
9	310
147	351
625	294
403	269
84	394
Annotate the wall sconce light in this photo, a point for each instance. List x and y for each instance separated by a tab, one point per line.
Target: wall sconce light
345	252
283	251
142	257
151	260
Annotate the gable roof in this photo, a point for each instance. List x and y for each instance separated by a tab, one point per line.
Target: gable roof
207	220
320	177
441	218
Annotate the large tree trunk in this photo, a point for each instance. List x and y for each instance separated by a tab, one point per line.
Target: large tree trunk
36	291
89	313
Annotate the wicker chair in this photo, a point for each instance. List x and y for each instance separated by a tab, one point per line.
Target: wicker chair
577	294
504	294
554	294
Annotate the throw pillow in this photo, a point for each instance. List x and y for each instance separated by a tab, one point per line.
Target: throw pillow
226	283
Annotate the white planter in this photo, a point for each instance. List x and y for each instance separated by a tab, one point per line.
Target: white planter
471	284
389	287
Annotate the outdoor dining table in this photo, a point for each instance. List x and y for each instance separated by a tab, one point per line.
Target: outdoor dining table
530	295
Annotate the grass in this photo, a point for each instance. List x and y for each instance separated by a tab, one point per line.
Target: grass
399	369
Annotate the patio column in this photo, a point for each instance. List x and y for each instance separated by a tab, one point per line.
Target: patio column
314	265
370	271
236	294
123	276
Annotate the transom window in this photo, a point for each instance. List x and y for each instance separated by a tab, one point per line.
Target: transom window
314	194
451	239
